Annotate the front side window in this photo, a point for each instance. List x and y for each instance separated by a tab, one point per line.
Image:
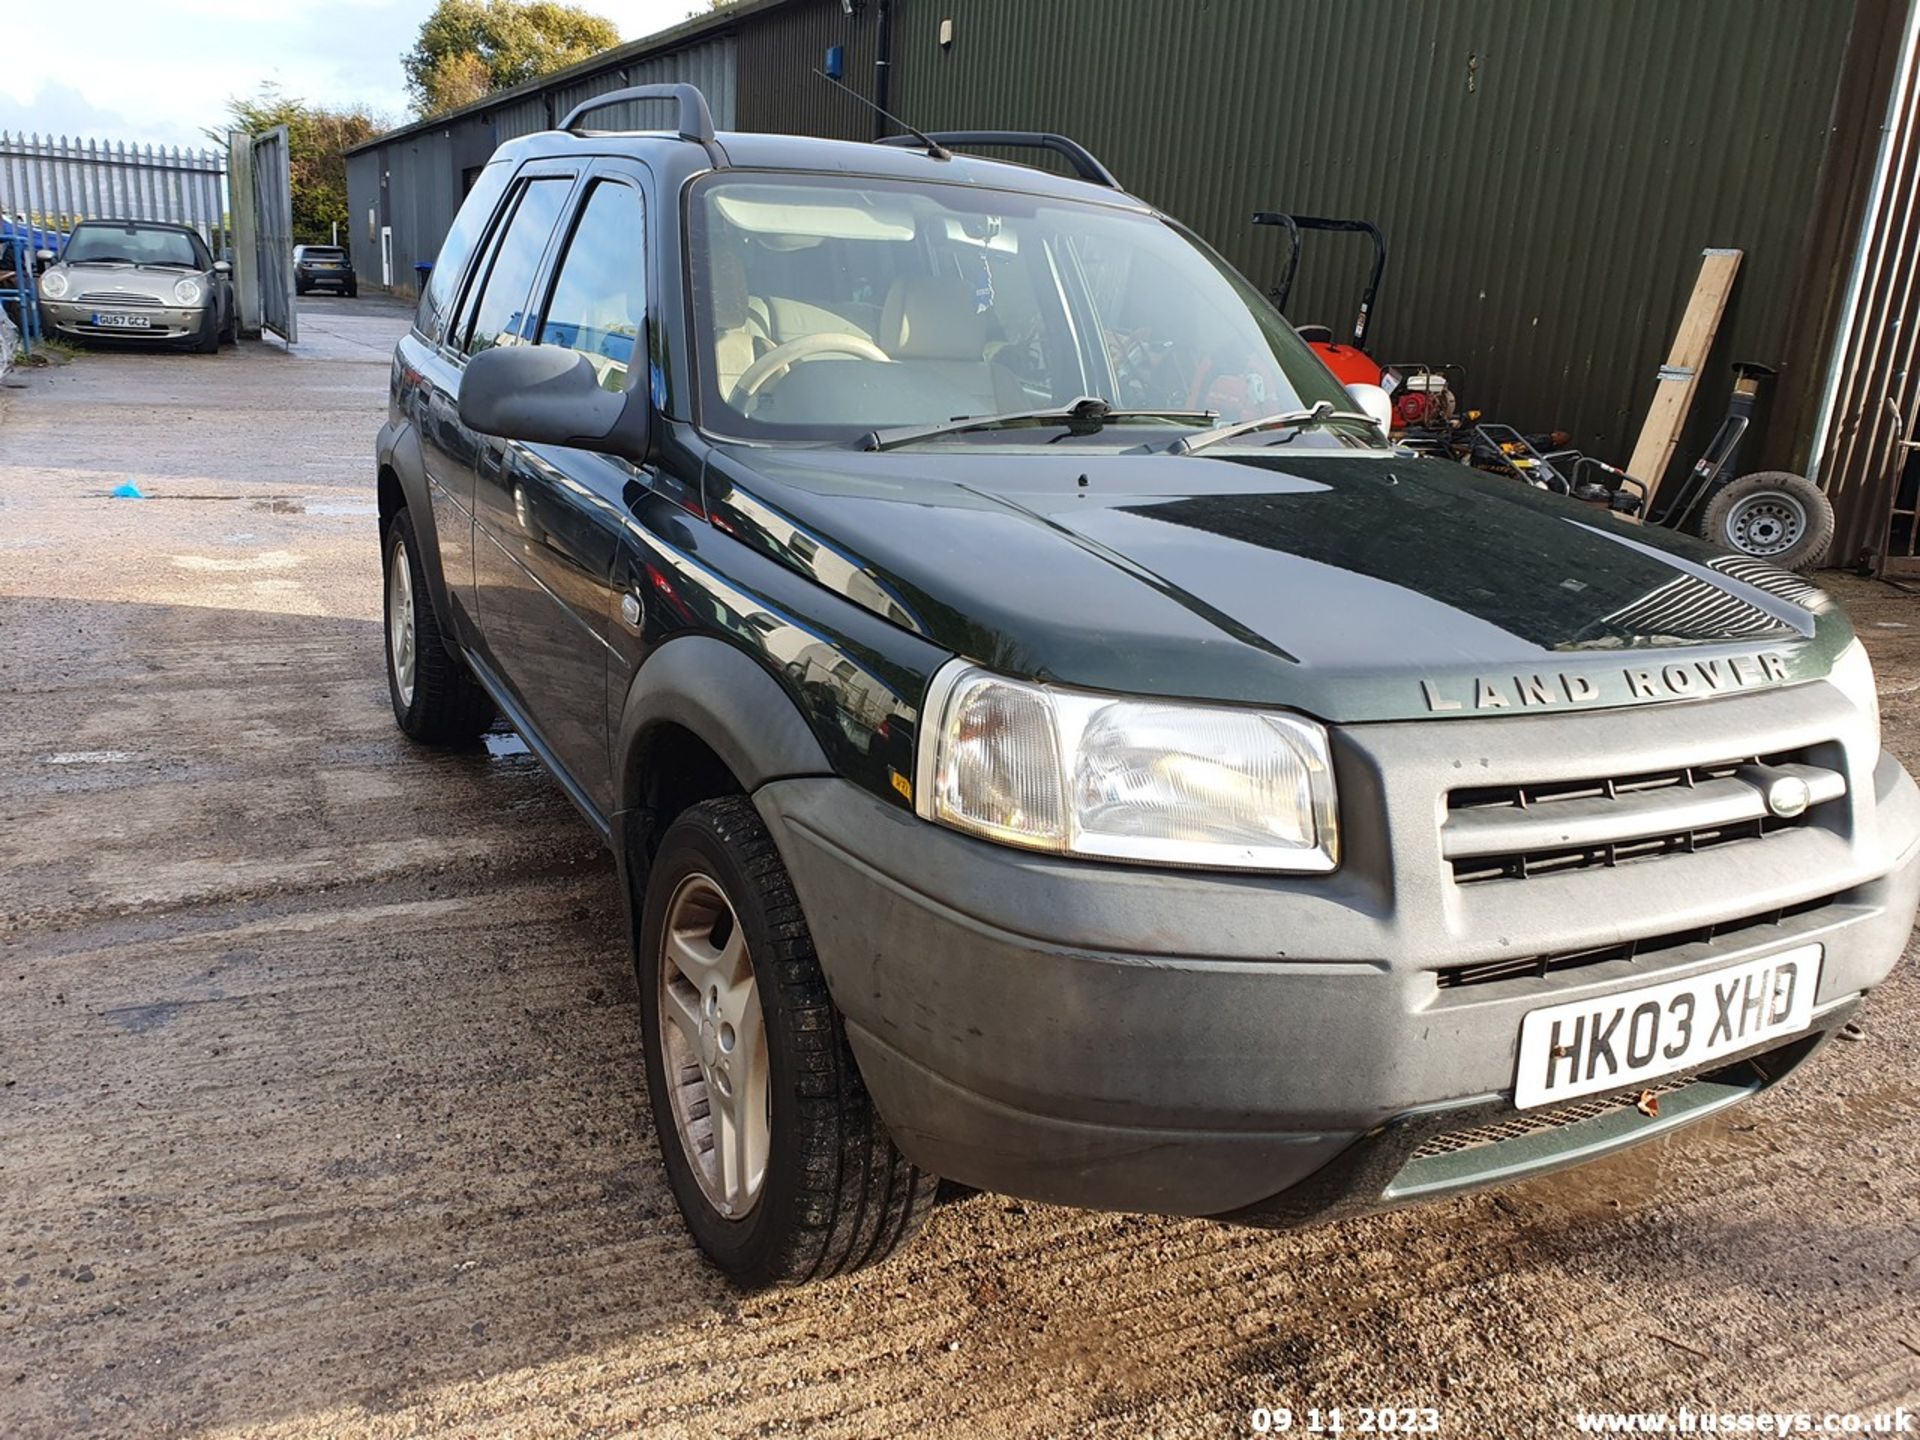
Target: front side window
135	245
599	301
825	307
502	306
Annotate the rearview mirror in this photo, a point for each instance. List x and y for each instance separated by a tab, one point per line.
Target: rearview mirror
45	257
221	267
549	395
1376	404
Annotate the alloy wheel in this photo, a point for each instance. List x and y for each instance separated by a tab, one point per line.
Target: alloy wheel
714	1046
400	632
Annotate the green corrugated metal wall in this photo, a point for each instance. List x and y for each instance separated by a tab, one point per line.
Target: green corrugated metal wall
1547	171
778	50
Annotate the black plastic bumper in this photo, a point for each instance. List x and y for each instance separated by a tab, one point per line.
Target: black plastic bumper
1178	1042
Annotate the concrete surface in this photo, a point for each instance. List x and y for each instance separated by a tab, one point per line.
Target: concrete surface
323	1114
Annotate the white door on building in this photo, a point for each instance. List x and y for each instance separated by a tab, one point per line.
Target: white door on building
386	256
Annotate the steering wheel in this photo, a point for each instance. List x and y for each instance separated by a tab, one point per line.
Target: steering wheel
782	358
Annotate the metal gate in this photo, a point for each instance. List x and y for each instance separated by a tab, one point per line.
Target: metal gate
273	232
56	183
1870	422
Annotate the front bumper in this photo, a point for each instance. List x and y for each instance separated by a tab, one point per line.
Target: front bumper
170	322
1204	1044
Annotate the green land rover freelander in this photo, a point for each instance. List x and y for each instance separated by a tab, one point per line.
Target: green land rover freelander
1051	739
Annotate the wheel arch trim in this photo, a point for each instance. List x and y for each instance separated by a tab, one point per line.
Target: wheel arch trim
398	454
729	700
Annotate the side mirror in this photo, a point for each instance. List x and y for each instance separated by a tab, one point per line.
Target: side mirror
549	395
221	267
45	257
1374	402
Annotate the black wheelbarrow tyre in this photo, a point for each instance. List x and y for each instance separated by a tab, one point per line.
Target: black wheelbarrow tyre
1740	511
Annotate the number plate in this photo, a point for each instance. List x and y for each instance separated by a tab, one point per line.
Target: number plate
1617	1040
108	321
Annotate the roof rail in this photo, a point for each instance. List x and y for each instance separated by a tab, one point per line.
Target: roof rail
692	120
1077	155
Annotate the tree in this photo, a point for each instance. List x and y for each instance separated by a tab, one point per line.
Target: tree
506	41
317	141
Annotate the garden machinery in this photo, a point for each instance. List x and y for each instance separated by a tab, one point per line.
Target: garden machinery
1772	515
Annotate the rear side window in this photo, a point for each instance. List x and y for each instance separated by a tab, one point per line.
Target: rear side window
436	296
600	296
502	306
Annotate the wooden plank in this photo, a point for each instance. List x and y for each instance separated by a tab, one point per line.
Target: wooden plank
1680	376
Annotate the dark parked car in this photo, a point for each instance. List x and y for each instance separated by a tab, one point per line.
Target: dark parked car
1049	738
315	266
141	281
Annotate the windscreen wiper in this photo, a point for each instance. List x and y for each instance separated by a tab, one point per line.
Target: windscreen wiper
98	260
1322	414
1085	416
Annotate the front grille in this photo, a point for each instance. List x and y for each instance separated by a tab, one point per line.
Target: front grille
1487	972
133	299
1519	832
1523	1123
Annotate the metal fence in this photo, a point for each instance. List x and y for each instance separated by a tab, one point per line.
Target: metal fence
273	232
57	182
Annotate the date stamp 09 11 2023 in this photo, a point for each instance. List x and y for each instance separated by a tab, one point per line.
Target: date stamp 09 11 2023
1345	1420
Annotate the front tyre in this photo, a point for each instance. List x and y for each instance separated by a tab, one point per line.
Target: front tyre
436	700
775	1154
207	342
1773	515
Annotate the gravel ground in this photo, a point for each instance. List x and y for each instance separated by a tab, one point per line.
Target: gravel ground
322	1111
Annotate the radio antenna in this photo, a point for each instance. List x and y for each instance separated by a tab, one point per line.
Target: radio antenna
934	147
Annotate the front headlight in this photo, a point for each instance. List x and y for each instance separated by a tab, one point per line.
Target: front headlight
1151	781
186	291
1852	674
53	285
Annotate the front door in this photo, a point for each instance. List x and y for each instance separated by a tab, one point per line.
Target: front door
551	517
386	256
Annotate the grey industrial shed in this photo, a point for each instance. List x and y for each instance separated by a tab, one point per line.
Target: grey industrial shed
1547	175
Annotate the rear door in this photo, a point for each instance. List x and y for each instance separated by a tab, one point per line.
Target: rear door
552	517
429	386
456	457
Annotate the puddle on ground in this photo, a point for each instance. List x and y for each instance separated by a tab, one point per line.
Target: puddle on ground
501	747
317	505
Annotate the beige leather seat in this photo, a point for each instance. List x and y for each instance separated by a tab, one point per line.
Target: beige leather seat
935	324
739	338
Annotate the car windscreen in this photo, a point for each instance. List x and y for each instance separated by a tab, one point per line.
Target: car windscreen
825	307
134	244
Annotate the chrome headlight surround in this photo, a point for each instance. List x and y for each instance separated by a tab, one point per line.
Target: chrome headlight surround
1111	777
54	285
187	291
1852	676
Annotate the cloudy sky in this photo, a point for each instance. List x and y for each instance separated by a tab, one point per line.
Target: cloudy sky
159	71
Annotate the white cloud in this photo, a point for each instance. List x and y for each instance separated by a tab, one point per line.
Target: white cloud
160	74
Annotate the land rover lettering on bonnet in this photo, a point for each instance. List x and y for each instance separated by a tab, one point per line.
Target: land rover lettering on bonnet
1050	738
1638	682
